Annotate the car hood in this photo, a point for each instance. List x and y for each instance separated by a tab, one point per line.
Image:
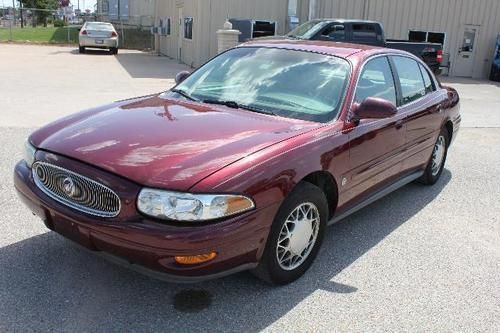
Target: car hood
168	143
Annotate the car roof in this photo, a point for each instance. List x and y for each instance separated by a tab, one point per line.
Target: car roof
343	50
342	20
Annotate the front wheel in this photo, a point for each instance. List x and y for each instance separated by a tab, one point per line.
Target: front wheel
436	163
296	235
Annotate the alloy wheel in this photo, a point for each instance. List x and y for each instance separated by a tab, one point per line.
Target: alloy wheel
298	236
438	155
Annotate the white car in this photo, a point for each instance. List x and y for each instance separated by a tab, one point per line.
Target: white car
101	35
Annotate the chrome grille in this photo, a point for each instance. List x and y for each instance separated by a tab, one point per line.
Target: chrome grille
76	191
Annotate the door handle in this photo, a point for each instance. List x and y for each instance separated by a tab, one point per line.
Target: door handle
399	124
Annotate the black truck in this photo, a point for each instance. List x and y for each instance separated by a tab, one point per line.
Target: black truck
366	32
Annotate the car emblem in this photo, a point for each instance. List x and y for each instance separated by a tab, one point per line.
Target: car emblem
69	186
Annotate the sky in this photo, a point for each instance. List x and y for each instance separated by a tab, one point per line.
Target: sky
84	4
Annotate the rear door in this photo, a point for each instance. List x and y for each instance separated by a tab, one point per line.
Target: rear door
420	104
376	145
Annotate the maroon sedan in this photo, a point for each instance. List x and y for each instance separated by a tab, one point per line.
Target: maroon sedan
245	162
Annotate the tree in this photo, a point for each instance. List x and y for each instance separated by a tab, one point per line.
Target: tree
40	16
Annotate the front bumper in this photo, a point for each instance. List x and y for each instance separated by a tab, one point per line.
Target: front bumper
147	245
98	42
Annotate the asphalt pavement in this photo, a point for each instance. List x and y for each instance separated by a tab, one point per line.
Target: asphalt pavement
421	259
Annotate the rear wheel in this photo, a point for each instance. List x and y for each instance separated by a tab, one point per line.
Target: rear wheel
113	50
296	235
436	163
81	49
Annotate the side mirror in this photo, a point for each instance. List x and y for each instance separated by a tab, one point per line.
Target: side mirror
181	76
374	108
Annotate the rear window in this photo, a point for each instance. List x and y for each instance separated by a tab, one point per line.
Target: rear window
99	26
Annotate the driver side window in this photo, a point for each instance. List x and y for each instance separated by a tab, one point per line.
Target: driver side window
334	32
376	80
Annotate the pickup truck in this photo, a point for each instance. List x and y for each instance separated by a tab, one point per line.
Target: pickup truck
366	32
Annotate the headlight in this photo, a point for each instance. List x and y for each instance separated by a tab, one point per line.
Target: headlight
29	153
191	207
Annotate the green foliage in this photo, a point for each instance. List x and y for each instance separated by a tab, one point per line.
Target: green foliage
59	23
41	35
45	6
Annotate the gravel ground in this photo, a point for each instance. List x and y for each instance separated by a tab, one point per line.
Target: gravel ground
421	259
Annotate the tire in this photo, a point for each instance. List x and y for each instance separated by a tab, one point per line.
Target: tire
283	243
113	50
433	172
81	49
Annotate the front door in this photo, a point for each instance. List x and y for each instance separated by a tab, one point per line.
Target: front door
376	145
181	34
464	65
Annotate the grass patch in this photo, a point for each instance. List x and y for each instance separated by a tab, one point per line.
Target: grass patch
41	35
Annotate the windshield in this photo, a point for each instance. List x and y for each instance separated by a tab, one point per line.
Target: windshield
294	84
307	30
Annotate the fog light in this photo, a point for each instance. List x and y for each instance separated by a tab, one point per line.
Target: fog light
197	259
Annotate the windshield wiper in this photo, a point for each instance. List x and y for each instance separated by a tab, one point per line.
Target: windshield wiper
184	94
235	105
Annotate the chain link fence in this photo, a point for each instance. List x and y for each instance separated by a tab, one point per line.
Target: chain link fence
31	25
134	31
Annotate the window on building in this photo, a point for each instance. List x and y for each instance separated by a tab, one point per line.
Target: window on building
417	36
436	37
426	36
412	84
363	31
429	86
165	26
376	81
188	27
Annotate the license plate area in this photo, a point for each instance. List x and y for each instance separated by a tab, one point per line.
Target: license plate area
99	41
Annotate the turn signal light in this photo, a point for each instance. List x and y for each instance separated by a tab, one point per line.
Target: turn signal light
197	259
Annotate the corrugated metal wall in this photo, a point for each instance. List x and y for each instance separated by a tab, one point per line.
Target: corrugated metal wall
209	16
399	16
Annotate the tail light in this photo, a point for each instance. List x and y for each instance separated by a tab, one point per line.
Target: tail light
114	34
439	56
83	32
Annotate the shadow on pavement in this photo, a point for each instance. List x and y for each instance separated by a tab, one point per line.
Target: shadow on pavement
46	284
156	66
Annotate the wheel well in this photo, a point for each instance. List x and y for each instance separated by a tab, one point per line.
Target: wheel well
325	181
449	128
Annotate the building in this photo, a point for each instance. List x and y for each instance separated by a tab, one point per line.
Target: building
187	28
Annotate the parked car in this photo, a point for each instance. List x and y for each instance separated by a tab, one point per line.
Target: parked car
243	163
101	35
369	33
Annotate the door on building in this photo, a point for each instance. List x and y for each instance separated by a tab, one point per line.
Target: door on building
181	33
464	64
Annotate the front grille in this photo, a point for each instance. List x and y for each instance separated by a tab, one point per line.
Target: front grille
76	191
